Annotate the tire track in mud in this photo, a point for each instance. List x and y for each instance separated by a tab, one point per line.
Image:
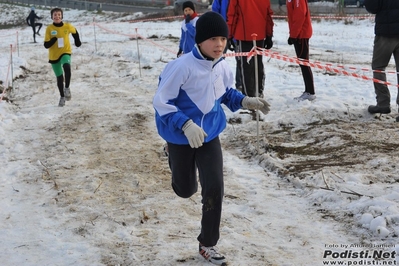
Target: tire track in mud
340	144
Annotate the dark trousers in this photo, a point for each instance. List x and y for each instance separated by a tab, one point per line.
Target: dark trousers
184	162
238	72
238	75
302	52
60	79
383	49
34	25
247	69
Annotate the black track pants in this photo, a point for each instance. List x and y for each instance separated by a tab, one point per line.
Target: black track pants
208	159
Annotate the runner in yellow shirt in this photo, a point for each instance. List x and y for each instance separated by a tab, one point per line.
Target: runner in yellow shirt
60	51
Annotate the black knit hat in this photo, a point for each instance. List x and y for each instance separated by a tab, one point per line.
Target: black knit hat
188	4
210	24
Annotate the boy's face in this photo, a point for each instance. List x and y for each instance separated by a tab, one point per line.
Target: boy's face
213	47
188	11
57	17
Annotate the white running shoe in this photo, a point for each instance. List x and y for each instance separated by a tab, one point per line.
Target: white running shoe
67	93
305	96
62	102
212	255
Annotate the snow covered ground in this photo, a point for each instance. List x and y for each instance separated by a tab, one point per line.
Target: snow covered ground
88	184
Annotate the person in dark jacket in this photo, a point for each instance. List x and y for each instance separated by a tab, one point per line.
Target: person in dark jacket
30	20
245	17
386	44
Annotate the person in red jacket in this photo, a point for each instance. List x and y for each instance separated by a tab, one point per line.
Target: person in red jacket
300	27
245	17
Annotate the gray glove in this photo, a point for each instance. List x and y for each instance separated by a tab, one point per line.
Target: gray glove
194	134
256	103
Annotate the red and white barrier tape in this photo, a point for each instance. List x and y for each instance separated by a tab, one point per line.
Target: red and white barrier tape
326	67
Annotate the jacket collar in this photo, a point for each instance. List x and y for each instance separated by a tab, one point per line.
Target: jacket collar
197	54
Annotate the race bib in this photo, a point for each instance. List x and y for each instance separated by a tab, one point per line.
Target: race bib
60	42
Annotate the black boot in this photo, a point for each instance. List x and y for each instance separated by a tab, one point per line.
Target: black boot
373	109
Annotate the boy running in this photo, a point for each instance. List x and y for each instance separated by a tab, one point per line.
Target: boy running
57	41
190	117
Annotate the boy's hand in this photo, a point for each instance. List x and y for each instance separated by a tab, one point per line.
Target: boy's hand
78	43
194	134
253	103
188	18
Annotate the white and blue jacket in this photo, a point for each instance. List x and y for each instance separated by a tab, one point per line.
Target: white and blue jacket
191	87
187	39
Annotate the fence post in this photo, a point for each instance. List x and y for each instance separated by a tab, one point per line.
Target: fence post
95	39
254	35
18	43
138	51
12	67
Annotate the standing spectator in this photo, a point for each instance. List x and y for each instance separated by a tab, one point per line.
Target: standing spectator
187	39
221	7
245	17
189	116
30	20
386	44
300	27
59	48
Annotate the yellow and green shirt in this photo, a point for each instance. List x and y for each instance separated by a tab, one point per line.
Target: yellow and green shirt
62	45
